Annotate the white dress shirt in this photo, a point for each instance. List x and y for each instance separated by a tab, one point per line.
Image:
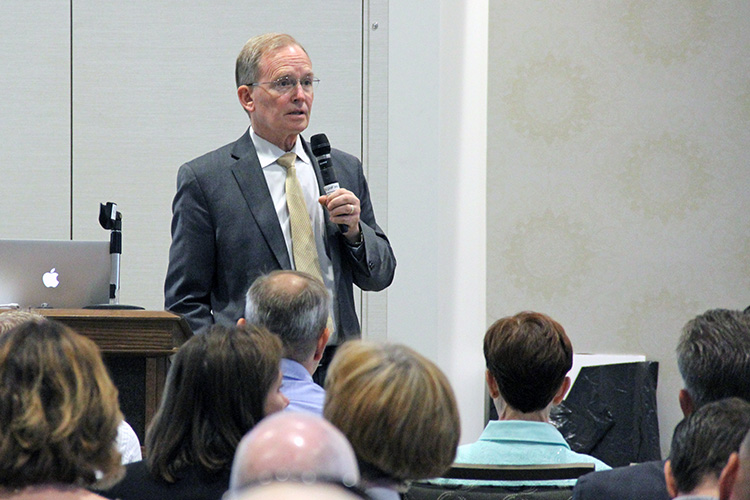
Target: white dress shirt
275	176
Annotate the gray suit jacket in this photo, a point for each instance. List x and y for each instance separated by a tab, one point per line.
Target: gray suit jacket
225	233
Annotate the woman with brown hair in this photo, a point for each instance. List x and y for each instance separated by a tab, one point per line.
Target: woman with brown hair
58	415
219	386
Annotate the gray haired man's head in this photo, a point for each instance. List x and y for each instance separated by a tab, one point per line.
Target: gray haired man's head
713	356
294	306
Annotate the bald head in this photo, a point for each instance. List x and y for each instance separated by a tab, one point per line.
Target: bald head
294	306
295	491
288	282
296	445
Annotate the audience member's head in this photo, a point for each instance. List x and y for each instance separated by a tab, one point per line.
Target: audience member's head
219	386
528	357
735	485
294	306
58	409
702	444
396	408
11	319
712	358
294	445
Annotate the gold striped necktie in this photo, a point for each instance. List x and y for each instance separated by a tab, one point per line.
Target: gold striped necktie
303	243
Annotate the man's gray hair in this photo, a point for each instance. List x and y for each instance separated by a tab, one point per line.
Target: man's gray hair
713	356
247	68
294	306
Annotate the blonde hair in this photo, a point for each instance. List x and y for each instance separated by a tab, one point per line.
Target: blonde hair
396	408
13	318
58	409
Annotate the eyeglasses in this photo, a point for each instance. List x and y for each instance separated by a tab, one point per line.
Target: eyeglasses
286	84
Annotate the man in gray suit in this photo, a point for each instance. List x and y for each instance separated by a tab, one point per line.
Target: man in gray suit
231	222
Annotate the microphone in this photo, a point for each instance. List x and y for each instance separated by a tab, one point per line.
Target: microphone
322	151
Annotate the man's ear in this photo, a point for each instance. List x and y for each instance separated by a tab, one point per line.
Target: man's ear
321	346
671	483
241	322
494	390
561	392
245	95
686	402
728	476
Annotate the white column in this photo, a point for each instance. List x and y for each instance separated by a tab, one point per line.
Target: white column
437	202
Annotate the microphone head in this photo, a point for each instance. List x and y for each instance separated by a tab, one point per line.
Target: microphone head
319	144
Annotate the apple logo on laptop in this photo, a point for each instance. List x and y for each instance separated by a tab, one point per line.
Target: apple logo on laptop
50	279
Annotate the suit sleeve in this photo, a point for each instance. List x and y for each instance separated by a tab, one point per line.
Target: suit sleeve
373	269
634	482
579	490
187	288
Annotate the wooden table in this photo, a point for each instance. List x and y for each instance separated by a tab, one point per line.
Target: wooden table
127	339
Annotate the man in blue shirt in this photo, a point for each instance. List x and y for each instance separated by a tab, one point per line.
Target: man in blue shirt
294	306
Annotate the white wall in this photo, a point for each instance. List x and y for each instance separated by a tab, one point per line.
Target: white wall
437	146
35	119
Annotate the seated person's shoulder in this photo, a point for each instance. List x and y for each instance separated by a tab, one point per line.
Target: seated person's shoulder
638	481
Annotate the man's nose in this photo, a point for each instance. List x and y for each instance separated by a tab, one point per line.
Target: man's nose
298	92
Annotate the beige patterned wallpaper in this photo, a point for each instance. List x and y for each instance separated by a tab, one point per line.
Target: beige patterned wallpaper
618	163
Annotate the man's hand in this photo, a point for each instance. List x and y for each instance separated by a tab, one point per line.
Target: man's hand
343	208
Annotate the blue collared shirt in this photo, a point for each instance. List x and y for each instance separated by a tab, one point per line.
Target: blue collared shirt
297	385
516	442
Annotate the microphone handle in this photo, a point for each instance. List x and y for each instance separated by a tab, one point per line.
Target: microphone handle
331	185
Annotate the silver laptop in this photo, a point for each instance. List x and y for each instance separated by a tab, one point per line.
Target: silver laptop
54	273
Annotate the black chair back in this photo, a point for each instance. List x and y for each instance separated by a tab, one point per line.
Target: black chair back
427	491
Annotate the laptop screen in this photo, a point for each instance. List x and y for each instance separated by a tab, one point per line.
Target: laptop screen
54	273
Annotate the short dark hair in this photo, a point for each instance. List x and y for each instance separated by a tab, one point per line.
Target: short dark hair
528	355
215	392
703	441
58	409
294	306
712	356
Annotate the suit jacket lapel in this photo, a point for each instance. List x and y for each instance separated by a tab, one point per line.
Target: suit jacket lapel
252	183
